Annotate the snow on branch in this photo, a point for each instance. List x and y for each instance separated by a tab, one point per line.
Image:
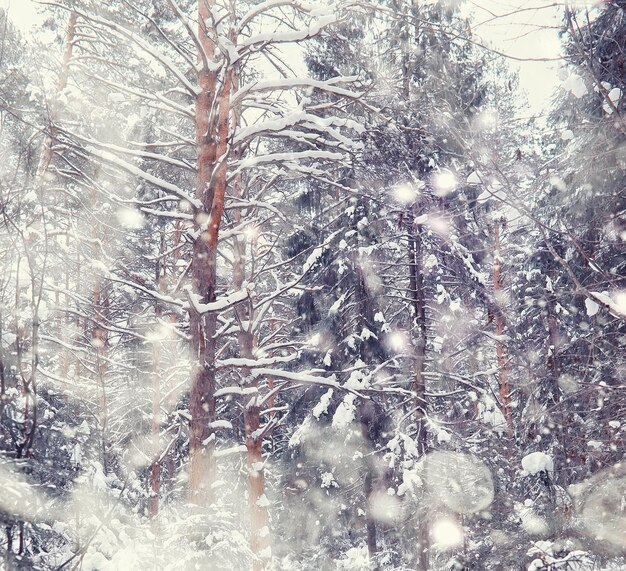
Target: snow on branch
253	204
289	37
219	304
153	100
313	256
239	449
329	86
134	170
315	127
263	7
137	153
139	42
615	308
253	363
288	158
151	292
306	379
166	213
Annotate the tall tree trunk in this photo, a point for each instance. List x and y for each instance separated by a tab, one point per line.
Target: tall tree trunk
257	500
168	462
552	399
46	155
212	130
155	469
65	322
30	387
501	348
366	418
418	304
99	340
416	283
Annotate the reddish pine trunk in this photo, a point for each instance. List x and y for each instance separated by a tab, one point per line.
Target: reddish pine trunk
259	520
257	500
46	155
212	130
201	400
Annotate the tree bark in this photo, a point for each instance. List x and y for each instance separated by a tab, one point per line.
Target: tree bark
155	469
46	155
257	508
212	130
366	420
257	500
418	304
501	348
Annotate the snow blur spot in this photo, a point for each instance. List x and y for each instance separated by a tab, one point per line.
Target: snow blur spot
314	340
532	523
440	225
158	334
600	507
447	534
384	507
619	300
130	218
405	193
486	121
444	182
460	482
251	232
558	183
568	384
397	341
139	452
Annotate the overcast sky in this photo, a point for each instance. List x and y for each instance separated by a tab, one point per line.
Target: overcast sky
527	30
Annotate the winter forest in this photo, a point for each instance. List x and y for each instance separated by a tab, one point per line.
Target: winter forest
304	285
